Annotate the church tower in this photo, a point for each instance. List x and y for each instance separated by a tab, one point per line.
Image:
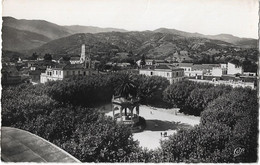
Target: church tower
83	54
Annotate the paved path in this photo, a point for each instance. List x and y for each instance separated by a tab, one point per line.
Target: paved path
159	121
21	146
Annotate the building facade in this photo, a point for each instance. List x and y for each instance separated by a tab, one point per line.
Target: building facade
61	72
173	74
234	69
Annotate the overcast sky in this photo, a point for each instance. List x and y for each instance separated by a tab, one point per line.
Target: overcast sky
237	17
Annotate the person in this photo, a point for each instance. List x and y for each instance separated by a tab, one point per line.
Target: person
161	134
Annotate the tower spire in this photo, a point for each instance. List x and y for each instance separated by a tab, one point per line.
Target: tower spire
83	54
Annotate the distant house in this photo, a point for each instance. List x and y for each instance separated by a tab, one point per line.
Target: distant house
173	74
63	71
124	64
149	62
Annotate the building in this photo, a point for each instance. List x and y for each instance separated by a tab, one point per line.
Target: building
234	68
187	68
217	71
81	67
173	74
75	60
82	58
64	71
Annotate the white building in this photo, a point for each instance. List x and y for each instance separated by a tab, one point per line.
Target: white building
173	74
187	68
217	71
234	69
80	67
61	72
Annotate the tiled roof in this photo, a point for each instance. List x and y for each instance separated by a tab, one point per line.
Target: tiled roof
161	67
183	64
68	66
201	67
74	58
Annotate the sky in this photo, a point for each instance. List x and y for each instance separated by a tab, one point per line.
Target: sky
210	17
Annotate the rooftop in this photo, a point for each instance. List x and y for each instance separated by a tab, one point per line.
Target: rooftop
161	67
21	146
68	66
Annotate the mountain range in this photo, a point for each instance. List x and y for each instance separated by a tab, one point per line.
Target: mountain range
29	36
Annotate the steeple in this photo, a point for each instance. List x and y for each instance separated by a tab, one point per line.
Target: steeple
83	54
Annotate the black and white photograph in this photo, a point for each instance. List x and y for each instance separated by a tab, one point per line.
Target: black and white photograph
130	81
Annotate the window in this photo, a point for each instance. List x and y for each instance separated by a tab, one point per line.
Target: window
151	73
84	73
79	72
177	74
56	72
73	72
167	74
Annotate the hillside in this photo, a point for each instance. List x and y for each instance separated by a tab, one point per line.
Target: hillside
153	45
90	29
241	42
28	34
42	27
17	40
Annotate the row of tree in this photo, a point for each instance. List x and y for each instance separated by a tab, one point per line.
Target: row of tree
97	89
192	97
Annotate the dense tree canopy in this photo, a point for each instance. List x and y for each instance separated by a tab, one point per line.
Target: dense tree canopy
63	112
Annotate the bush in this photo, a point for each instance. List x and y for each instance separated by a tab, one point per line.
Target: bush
237	110
200	144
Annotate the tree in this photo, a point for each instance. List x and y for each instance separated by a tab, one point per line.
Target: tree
66	58
34	56
142	63
47	57
126	87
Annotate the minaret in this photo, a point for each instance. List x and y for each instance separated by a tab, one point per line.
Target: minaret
83	54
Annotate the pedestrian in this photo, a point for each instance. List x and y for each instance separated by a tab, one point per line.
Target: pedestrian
161	134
